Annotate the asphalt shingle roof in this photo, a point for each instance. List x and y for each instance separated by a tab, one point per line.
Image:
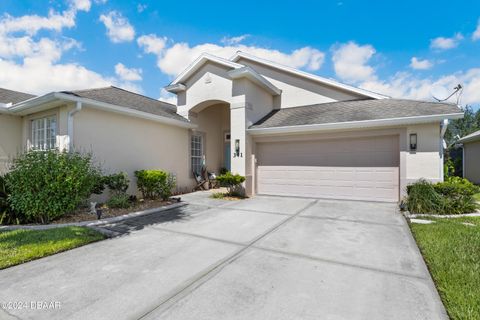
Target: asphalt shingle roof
131	100
352	110
7	96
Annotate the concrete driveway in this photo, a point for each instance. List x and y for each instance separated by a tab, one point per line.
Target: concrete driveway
261	258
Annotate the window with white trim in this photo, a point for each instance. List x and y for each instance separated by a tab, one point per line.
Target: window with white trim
44	133
196	152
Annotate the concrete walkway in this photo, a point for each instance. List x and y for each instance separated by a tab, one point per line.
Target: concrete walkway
261	258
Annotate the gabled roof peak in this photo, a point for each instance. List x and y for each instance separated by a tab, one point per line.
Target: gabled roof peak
243	55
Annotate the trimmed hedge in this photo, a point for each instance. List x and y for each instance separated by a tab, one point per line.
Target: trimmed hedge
155	183
117	182
232	182
44	185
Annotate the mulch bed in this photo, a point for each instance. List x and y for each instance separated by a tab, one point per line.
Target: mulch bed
84	214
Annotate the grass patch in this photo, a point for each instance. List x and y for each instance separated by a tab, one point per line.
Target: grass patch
218	195
19	246
452	252
226	196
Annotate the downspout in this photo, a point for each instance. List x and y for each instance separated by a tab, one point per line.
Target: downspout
71	113
443	129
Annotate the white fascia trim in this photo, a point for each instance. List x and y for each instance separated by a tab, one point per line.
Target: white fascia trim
27	104
309	76
4	107
252	75
354	124
175	88
99	105
471	137
200	61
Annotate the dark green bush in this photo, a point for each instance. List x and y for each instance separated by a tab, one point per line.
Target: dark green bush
232	182
117	182
44	185
155	183
454	196
458	195
119	200
3	195
455	187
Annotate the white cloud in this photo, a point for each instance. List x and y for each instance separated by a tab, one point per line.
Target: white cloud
152	44
442	43
82	5
354	66
31	63
350	62
172	60
419	64
168	97
476	33
141	7
234	40
118	27
406	85
39	76
31	24
128	74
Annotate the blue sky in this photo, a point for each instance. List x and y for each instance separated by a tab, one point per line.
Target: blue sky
399	48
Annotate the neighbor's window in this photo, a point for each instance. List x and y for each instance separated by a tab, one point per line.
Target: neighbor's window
196	152
44	133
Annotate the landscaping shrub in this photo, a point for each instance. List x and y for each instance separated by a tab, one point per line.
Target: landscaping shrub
155	183
454	196
117	182
44	185
119	200
422	198
232	182
458	195
3	195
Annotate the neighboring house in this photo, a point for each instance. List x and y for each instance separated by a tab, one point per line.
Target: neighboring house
471	156
289	132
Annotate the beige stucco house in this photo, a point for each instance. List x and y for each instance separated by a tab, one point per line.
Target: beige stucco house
289	132
471	156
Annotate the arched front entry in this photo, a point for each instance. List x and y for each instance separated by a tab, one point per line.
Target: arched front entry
210	142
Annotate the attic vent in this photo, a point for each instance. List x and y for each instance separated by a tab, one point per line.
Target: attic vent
208	79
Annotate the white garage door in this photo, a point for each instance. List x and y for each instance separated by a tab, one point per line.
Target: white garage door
357	169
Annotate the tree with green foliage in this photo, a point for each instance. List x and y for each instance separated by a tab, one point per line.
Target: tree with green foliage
456	129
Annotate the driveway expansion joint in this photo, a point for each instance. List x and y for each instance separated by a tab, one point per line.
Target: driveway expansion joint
216	268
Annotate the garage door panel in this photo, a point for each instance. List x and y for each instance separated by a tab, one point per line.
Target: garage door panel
360	169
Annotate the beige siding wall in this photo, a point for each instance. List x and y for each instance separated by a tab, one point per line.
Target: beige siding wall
471	169
298	91
10	139
209	83
123	143
426	162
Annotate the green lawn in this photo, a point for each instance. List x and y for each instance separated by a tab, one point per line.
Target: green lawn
452	253
20	246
